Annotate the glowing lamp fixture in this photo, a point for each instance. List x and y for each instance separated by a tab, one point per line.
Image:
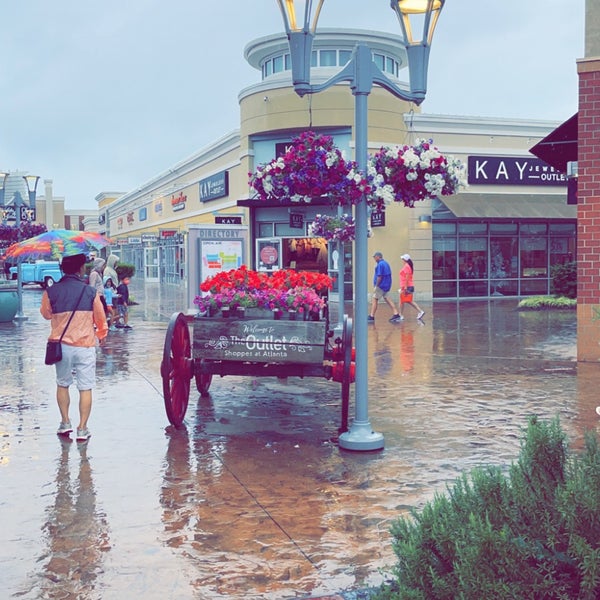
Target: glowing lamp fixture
300	20
412	14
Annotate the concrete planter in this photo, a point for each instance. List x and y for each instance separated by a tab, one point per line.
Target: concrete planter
9	301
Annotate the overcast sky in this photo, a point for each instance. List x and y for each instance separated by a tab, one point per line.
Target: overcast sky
103	96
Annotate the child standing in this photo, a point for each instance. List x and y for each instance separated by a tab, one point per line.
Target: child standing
110	293
123	303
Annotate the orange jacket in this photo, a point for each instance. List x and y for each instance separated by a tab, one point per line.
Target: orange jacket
89	320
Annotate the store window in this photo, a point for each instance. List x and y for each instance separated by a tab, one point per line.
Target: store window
472	266
472	259
562	243
278	64
345	56
328	58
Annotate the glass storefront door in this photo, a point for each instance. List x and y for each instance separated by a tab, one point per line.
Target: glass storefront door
151	264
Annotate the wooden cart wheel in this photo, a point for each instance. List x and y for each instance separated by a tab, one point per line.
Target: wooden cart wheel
203	381
176	369
346	377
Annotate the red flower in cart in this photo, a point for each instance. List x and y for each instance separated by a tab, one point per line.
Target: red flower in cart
285	289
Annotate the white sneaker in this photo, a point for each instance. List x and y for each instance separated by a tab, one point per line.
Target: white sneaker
421	314
64	428
83	434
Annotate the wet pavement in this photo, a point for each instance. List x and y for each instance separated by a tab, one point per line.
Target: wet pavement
253	499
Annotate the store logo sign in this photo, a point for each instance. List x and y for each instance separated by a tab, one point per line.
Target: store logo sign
215	186
508	170
178	202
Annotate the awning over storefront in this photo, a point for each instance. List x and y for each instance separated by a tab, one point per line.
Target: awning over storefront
560	146
500	206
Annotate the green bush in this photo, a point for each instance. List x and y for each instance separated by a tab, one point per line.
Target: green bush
533	533
547	303
125	270
564	279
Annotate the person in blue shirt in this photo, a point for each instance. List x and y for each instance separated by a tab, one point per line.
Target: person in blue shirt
382	283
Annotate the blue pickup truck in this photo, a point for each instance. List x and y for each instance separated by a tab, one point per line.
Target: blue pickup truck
42	272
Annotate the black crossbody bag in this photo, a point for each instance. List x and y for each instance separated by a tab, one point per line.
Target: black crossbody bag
53	347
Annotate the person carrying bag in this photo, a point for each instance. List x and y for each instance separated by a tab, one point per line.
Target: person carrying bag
54	347
76	327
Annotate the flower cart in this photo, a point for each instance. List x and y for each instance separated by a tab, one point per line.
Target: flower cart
255	324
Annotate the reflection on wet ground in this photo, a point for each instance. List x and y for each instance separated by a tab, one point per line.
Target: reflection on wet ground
253	499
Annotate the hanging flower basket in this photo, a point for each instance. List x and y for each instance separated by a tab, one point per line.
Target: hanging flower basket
334	228
311	167
409	174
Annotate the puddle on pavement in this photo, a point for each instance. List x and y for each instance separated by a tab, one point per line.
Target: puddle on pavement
253	498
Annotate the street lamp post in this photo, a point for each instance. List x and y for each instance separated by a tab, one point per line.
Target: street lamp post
19	204
21	213
3	177
362	73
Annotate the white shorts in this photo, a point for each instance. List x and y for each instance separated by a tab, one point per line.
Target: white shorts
77	364
379	293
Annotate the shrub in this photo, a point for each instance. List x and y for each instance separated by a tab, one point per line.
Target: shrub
564	279
533	533
547	303
125	270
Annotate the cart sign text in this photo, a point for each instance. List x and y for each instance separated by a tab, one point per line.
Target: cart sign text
259	340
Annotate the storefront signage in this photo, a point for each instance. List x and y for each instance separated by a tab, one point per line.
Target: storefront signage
507	170
25	213
260	341
178	202
218	233
296	221
120	223
282	148
148	237
167	233
143	214
134	240
220	220
130	218
215	186
102	219
158	207
378	219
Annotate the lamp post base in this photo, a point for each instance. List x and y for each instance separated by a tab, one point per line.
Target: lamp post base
361	437
20	317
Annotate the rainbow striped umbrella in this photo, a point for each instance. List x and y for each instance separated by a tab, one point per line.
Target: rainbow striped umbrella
55	244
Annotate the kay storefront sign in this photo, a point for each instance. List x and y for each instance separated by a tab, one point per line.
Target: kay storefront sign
506	170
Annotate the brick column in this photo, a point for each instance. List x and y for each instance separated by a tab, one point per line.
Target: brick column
588	212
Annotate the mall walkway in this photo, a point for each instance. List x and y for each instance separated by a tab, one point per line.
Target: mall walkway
253	499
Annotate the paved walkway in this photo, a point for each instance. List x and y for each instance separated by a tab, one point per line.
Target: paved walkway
253	499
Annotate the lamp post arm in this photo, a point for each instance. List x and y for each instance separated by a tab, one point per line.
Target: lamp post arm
362	73
346	74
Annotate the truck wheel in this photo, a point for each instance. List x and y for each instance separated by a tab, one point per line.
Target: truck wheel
48	282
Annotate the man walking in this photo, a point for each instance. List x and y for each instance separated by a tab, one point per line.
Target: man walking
382	283
72	298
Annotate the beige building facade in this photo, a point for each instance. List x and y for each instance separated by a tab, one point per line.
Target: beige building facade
499	236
